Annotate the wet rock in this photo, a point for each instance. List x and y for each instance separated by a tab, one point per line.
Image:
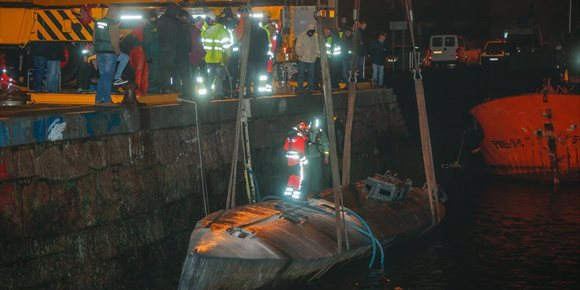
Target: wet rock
49	163
76	160
118	149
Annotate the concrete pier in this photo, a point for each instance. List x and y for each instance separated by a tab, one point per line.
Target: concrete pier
106	197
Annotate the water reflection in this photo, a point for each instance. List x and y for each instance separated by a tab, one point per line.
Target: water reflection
499	235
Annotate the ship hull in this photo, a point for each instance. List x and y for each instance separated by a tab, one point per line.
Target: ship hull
264	244
532	136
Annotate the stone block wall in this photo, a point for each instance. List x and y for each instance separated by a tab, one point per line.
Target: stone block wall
114	210
100	213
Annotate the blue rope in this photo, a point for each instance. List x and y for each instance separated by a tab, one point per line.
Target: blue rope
368	233
371	235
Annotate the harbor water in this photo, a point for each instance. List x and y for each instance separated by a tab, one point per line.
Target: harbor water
498	234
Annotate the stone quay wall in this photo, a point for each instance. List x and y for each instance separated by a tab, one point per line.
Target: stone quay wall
106	197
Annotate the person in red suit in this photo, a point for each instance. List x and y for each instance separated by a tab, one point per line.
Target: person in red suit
138	62
295	147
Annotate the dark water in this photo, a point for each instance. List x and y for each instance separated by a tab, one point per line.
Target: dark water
497	235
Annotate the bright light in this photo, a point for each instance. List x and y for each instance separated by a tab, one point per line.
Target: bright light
266	89
4	70
493	59
202	92
263	78
255	15
199	79
85	51
437	52
316	123
198	15
131	17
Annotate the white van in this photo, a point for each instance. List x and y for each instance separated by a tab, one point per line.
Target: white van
446	49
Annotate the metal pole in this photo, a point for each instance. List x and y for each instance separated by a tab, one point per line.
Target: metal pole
201	172
570	18
327	93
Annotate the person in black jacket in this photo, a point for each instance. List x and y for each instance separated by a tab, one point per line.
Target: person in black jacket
360	27
168	25
183	49
378	50
257	58
347	51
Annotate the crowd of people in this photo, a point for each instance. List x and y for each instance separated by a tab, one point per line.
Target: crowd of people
177	53
339	47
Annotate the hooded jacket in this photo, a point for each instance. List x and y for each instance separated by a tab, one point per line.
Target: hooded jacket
307	46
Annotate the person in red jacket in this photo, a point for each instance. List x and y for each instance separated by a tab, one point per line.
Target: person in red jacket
138	62
295	147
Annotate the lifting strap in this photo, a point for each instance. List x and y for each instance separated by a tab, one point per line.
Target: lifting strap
342	241
231	198
424	128
351	98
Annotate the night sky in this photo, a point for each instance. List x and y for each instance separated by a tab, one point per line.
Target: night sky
477	20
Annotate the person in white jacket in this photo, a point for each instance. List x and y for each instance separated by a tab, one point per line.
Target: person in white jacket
307	51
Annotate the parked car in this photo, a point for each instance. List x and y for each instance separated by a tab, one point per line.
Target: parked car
493	52
447	49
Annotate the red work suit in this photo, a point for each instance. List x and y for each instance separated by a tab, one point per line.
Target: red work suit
138	62
295	147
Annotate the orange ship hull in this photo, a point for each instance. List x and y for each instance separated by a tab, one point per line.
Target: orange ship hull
532	136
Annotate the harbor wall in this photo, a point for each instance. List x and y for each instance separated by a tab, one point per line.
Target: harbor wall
106	197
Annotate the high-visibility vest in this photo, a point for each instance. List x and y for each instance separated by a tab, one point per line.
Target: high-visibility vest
332	48
216	41
102	41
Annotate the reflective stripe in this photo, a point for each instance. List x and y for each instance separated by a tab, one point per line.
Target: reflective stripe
217	48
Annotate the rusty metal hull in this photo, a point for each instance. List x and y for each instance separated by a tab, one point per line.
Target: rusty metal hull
517	134
259	245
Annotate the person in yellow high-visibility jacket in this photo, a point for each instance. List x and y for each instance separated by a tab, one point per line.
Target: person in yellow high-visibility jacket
217	43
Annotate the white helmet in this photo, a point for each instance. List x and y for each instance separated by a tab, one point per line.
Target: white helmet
210	15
